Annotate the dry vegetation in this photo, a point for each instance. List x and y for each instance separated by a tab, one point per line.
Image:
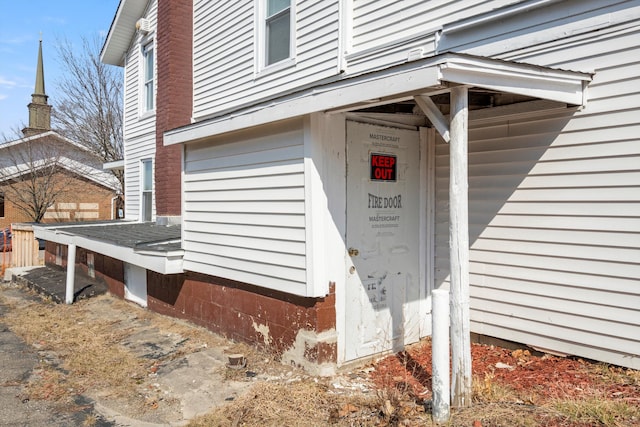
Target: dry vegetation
397	398
82	353
511	388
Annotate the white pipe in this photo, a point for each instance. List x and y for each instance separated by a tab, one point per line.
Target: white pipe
440	355
113	205
71	272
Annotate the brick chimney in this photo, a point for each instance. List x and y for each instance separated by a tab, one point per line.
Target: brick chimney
174	56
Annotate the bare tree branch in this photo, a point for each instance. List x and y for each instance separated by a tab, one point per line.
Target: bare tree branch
89	108
36	173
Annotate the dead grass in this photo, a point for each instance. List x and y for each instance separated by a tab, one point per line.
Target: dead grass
312	404
89	352
302	403
485	388
599	411
83	350
309	403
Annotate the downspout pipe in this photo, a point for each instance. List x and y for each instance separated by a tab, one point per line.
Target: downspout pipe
113	207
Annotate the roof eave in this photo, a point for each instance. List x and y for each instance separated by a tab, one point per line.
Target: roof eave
423	77
122	31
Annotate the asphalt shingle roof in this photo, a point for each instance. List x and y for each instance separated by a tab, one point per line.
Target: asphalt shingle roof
136	235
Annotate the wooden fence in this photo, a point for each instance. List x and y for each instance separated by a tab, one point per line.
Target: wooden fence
25	252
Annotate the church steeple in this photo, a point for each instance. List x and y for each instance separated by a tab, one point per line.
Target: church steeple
39	109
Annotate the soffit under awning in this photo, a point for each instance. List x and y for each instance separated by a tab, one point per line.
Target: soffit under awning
433	75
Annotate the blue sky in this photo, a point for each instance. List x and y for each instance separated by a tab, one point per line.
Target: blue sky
21	22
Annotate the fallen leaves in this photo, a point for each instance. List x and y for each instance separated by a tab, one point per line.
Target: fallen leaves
545	377
347	409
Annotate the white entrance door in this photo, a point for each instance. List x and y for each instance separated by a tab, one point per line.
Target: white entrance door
383	237
135	284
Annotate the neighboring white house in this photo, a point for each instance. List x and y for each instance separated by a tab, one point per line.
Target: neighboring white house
315	170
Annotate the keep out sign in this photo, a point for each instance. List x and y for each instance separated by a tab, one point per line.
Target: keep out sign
383	167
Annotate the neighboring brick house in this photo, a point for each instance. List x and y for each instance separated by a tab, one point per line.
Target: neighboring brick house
319	168
84	199
66	179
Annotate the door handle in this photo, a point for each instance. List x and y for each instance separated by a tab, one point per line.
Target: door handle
353	252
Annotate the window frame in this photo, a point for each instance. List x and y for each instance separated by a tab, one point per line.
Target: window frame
147	83
261	37
146	216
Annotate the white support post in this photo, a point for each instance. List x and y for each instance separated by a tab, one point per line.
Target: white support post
459	249
440	356
71	273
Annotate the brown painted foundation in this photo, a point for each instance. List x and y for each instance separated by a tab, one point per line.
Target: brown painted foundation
239	311
110	270
296	329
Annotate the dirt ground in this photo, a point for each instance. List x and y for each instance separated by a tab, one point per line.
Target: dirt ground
141	368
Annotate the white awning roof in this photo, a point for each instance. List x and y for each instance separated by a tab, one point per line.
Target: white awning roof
160	261
431	75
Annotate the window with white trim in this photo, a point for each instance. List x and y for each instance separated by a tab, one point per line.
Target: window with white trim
277	31
148	74
146	190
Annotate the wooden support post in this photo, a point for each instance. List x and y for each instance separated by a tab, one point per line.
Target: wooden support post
459	249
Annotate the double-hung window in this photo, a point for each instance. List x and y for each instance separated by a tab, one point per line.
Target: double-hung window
148	73
277	31
146	187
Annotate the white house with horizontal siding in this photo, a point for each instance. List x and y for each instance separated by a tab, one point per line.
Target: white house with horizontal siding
344	158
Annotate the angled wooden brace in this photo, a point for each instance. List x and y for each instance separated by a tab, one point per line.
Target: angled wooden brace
435	116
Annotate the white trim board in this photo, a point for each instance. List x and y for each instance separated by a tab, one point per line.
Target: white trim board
418	77
160	262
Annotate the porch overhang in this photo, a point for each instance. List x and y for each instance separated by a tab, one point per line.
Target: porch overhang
161	256
423	77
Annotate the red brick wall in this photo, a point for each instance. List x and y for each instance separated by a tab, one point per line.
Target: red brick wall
174	97
239	311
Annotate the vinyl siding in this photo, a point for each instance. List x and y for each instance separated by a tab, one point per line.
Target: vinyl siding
139	131
541	35
554	207
383	33
135	124
138	149
244	209
225	73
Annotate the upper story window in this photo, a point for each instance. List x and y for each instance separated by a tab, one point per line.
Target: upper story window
277	31
148	73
